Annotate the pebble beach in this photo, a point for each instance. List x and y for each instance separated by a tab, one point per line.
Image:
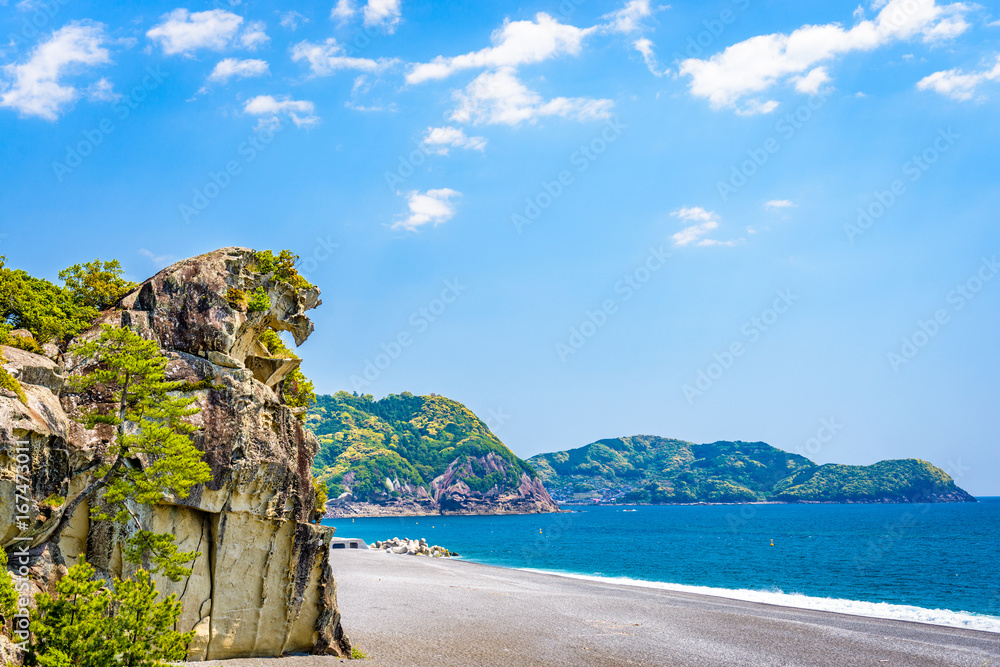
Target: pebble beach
406	610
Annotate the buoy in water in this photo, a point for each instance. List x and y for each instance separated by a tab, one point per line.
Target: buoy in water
772	541
539	531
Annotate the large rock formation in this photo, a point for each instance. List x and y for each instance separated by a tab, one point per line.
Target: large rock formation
262	585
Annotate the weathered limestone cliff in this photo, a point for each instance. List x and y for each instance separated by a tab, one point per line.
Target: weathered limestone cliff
262	585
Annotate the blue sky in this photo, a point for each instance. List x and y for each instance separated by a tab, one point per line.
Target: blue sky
726	220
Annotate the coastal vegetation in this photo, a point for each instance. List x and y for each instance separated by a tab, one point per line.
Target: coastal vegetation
907	478
651	469
149	423
54	313
87	621
406	439
298	389
91	624
381	450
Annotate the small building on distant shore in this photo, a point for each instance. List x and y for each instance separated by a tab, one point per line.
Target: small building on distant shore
347	543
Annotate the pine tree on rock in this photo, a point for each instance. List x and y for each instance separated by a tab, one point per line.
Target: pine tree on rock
151	455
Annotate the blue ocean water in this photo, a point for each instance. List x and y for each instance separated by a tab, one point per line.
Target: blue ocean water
930	556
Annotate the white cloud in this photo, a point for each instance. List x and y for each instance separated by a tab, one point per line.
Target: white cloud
267	104
694	232
754	107
711	242
500	98
694	213
371	108
102	90
33	87
376	13
947	28
440	139
432	207
811	82
957	84
756	64
703	223
270	109
241	69
254	35
515	43
292	20
779	203
329	57
629	18
343	10
182	31
645	46
384	13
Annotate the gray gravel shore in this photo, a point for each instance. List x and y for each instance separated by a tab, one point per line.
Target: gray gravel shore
412	610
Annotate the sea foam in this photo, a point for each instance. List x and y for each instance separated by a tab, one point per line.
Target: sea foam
884	610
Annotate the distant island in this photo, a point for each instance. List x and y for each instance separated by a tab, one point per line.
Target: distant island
415	455
650	469
419	455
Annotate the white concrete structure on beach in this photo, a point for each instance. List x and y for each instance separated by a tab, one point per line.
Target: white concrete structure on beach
347	543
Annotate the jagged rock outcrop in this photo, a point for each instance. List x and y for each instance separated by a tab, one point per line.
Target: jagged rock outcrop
262	585
450	493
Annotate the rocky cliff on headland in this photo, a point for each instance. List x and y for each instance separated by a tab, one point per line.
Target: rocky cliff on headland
407	455
262	584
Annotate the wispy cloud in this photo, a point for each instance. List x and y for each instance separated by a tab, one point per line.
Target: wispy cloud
779	203
699	223
34	87
500	98
382	13
629	18
184	32
645	46
253	37
440	139
515	43
329	57
270	108
751	67
432	207
957	84
292	20
102	90
236	68
343	10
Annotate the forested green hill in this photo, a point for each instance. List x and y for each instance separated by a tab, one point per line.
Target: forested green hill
650	469
394	448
